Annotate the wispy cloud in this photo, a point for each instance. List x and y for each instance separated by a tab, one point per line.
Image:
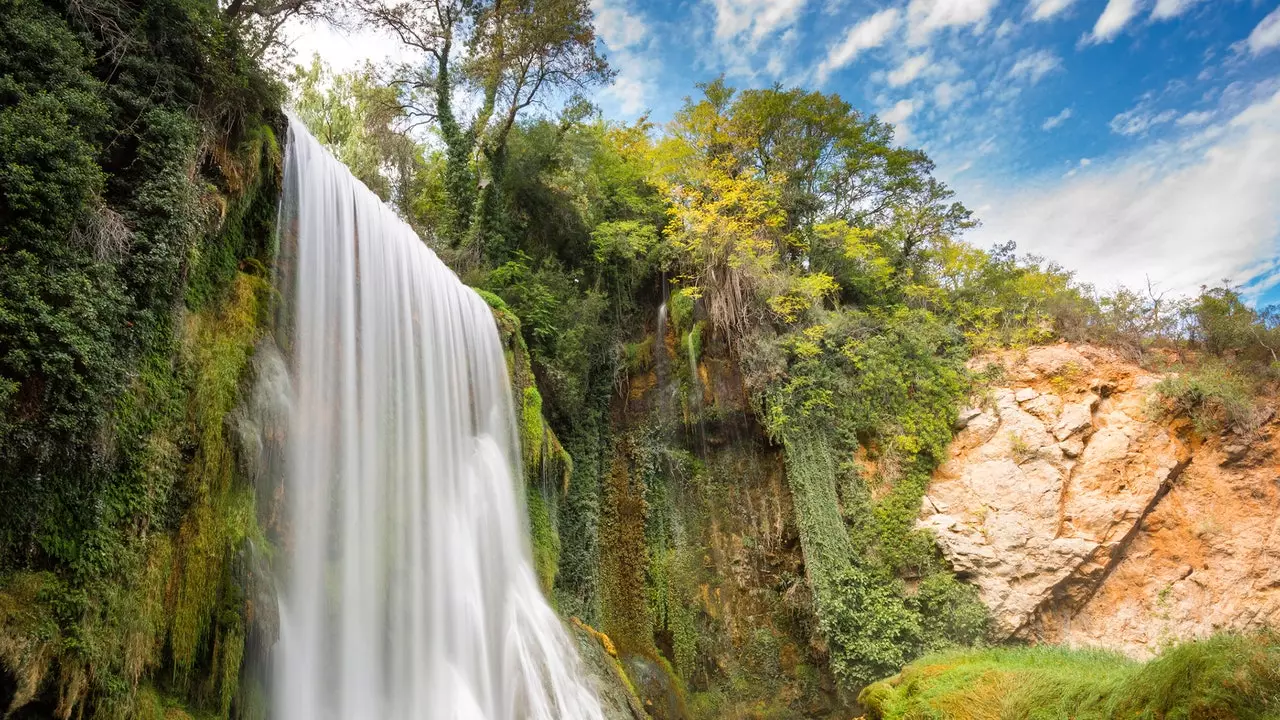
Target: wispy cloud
899	112
1167	9
1034	65
1266	36
946	94
1195	118
1186	212
1056	120
925	17
1140	120
870	33
625	34
617	25
752	21
1114	17
908	71
1047	9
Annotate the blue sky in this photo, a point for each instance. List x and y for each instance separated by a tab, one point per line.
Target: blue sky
1126	139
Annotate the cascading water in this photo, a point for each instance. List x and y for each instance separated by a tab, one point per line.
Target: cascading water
409	590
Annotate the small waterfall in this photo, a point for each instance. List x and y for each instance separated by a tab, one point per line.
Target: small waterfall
660	369
409	592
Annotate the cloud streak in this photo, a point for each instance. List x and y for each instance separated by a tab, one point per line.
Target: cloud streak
1188	212
870	33
1032	66
1048	9
925	17
1056	120
1113	19
1266	36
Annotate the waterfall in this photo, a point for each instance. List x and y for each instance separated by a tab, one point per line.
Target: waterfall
408	588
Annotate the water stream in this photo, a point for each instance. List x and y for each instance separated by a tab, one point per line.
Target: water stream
408	589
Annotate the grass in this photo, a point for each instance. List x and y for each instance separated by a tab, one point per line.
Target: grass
1225	677
1213	396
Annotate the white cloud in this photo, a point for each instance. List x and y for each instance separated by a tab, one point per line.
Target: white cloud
617	25
1114	17
1056	120
899	112
1033	66
946	94
1192	119
1167	9
1182	218
633	87
1046	9
341	51
909	70
754	20
1267	35
1084	163
1140	119
626	33
927	16
898	116
870	33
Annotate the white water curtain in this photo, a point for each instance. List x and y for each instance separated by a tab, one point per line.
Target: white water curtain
408	591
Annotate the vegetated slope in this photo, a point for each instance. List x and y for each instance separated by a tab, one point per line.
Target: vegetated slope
139	176
1229	677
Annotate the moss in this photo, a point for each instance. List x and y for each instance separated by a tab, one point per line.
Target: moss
638	356
532	435
680	307
546	542
491	299
624	559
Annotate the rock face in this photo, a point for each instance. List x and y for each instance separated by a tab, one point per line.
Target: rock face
1082	520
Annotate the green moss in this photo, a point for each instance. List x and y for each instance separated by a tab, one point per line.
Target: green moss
638	356
532	434
491	299
546	541
680	307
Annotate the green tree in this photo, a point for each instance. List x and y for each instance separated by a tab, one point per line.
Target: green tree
517	54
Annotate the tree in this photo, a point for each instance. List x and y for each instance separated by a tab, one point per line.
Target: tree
362	122
518	54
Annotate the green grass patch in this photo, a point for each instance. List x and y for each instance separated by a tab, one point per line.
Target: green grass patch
1226	677
1212	396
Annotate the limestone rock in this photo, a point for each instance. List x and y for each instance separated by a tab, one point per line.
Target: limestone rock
1081	520
1025	394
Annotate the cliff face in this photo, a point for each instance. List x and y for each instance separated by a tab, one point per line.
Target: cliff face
1084	520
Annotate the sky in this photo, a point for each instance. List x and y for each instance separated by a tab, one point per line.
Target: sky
1133	141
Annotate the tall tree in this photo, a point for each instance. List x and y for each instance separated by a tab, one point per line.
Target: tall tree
506	56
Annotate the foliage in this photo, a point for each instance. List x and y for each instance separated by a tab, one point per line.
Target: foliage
1226	676
362	121
138	181
511	56
1212	395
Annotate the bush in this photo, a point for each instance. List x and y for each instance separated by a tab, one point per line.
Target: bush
871	629
1213	396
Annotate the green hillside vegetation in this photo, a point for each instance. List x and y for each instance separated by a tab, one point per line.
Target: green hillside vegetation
1227	676
821	301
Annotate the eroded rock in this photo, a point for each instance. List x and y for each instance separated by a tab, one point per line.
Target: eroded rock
1081	520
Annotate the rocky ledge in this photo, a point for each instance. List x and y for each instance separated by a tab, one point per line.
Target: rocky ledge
1084	520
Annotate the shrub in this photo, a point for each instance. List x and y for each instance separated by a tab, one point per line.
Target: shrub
1213	396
